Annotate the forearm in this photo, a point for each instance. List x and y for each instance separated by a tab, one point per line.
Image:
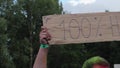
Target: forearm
41	59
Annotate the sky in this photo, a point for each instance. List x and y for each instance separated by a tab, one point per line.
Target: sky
90	6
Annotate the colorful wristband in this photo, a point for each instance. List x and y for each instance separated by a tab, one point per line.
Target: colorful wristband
44	45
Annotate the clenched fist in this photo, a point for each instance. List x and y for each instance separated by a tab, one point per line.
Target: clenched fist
44	35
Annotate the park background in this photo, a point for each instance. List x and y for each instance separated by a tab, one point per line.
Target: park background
20	23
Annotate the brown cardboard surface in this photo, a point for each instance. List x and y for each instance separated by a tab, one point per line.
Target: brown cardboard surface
83	28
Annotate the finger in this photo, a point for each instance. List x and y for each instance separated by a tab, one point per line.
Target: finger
43	29
43	41
44	33
43	36
48	36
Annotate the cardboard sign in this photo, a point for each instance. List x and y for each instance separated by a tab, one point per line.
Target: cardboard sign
83	28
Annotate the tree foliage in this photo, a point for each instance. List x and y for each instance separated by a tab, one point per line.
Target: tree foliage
6	59
24	19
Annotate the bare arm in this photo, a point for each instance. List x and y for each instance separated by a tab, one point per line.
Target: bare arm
41	59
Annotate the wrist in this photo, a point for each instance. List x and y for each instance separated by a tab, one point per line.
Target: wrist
44	46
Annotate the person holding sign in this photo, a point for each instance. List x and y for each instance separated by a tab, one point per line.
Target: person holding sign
41	59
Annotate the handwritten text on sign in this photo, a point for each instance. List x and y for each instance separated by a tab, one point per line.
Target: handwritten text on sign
83	28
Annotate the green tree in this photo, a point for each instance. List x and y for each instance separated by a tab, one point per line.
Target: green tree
24	21
67	56
6	61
